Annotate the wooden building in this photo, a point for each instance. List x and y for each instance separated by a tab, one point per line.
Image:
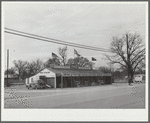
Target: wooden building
66	76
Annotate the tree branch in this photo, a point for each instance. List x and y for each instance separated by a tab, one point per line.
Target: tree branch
137	64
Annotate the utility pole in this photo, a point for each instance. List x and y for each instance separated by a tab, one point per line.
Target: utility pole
7	64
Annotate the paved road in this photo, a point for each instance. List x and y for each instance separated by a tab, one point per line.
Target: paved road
107	97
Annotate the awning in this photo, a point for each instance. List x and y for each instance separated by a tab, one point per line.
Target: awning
93	74
66	74
84	74
104	74
107	74
58	74
75	74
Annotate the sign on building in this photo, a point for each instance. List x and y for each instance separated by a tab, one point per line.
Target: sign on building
63	67
74	66
88	68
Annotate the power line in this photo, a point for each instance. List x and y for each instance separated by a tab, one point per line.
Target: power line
54	41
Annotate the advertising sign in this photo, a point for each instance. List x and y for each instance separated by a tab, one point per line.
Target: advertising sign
87	68
64	67
66	74
74	66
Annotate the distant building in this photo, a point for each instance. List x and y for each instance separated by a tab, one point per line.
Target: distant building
10	76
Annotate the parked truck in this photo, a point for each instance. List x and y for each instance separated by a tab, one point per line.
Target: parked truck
139	78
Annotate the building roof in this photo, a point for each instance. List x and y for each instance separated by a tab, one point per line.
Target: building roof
77	72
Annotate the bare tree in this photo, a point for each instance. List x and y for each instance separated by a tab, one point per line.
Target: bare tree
80	61
20	67
111	67
52	61
63	54
104	69
128	51
38	65
141	67
10	71
70	61
30	69
35	67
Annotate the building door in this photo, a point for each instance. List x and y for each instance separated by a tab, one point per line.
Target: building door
69	82
107	79
27	80
50	82
58	82
43	78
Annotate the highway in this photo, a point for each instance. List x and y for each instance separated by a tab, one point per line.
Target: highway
115	96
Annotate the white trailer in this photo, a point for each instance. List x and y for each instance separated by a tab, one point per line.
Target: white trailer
139	78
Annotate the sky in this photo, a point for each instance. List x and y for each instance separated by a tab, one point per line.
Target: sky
88	23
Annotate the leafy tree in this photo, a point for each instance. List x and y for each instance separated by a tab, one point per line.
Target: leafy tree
128	51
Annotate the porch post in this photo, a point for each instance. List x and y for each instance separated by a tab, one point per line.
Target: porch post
89	80
110	79
79	77
55	81
104	79
61	81
71	80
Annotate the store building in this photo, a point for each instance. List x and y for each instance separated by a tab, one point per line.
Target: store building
66	76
